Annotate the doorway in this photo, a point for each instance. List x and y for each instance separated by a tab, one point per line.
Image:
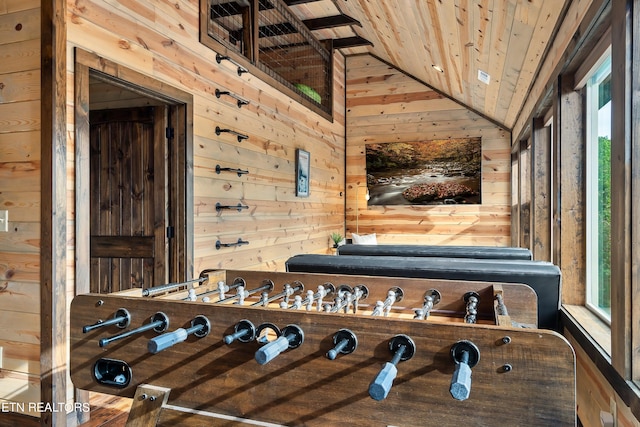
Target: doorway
128	198
133	186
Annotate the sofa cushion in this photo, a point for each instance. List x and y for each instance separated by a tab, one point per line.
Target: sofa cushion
489	252
364	239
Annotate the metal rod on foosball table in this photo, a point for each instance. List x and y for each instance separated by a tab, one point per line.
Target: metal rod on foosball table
242	294
472	299
200	327
360	292
159	323
286	293
121	319
223	288
348	298
323	290
345	342
431	298
403	348
344	296
292	337
395	294
149	292
465	355
244	332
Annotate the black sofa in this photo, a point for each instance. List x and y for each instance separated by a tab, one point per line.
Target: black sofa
543	277
478	252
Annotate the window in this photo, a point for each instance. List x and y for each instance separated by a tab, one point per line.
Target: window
267	38
598	176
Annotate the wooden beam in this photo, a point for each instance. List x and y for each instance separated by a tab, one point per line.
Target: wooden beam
634	139
82	174
570	208
624	277
556	173
330	22
53	234
347	42
541	200
515	196
525	192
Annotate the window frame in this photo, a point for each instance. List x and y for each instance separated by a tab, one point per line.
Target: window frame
610	349
592	81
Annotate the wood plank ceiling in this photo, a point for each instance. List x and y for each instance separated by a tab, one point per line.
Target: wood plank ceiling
504	39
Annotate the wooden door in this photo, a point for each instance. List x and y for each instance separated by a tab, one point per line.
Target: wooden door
128	199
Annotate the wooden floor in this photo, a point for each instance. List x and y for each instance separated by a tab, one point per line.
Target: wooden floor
108	411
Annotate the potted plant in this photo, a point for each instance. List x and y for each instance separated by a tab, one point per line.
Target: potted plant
337	239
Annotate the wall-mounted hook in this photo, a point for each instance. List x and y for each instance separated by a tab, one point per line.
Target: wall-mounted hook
240	172
239	101
239	207
240	242
239	135
241	69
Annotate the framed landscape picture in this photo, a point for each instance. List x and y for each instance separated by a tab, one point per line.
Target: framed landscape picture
434	172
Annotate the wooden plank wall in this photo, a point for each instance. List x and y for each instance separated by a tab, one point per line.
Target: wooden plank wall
386	105
162	40
594	393
20	195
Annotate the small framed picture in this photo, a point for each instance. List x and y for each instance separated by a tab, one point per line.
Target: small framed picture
302	173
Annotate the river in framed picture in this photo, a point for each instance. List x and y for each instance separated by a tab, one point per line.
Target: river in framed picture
435	172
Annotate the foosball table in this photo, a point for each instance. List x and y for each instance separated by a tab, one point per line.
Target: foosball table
237	348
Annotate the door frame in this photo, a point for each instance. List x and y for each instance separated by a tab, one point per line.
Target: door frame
181	120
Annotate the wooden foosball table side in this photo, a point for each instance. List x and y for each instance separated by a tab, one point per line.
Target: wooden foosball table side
521	376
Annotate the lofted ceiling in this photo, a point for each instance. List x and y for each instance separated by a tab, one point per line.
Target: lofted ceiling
503	39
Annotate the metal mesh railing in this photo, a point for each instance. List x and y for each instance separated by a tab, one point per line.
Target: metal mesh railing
287	51
292	55
226	23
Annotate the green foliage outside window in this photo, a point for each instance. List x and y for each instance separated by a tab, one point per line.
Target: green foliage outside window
604	221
